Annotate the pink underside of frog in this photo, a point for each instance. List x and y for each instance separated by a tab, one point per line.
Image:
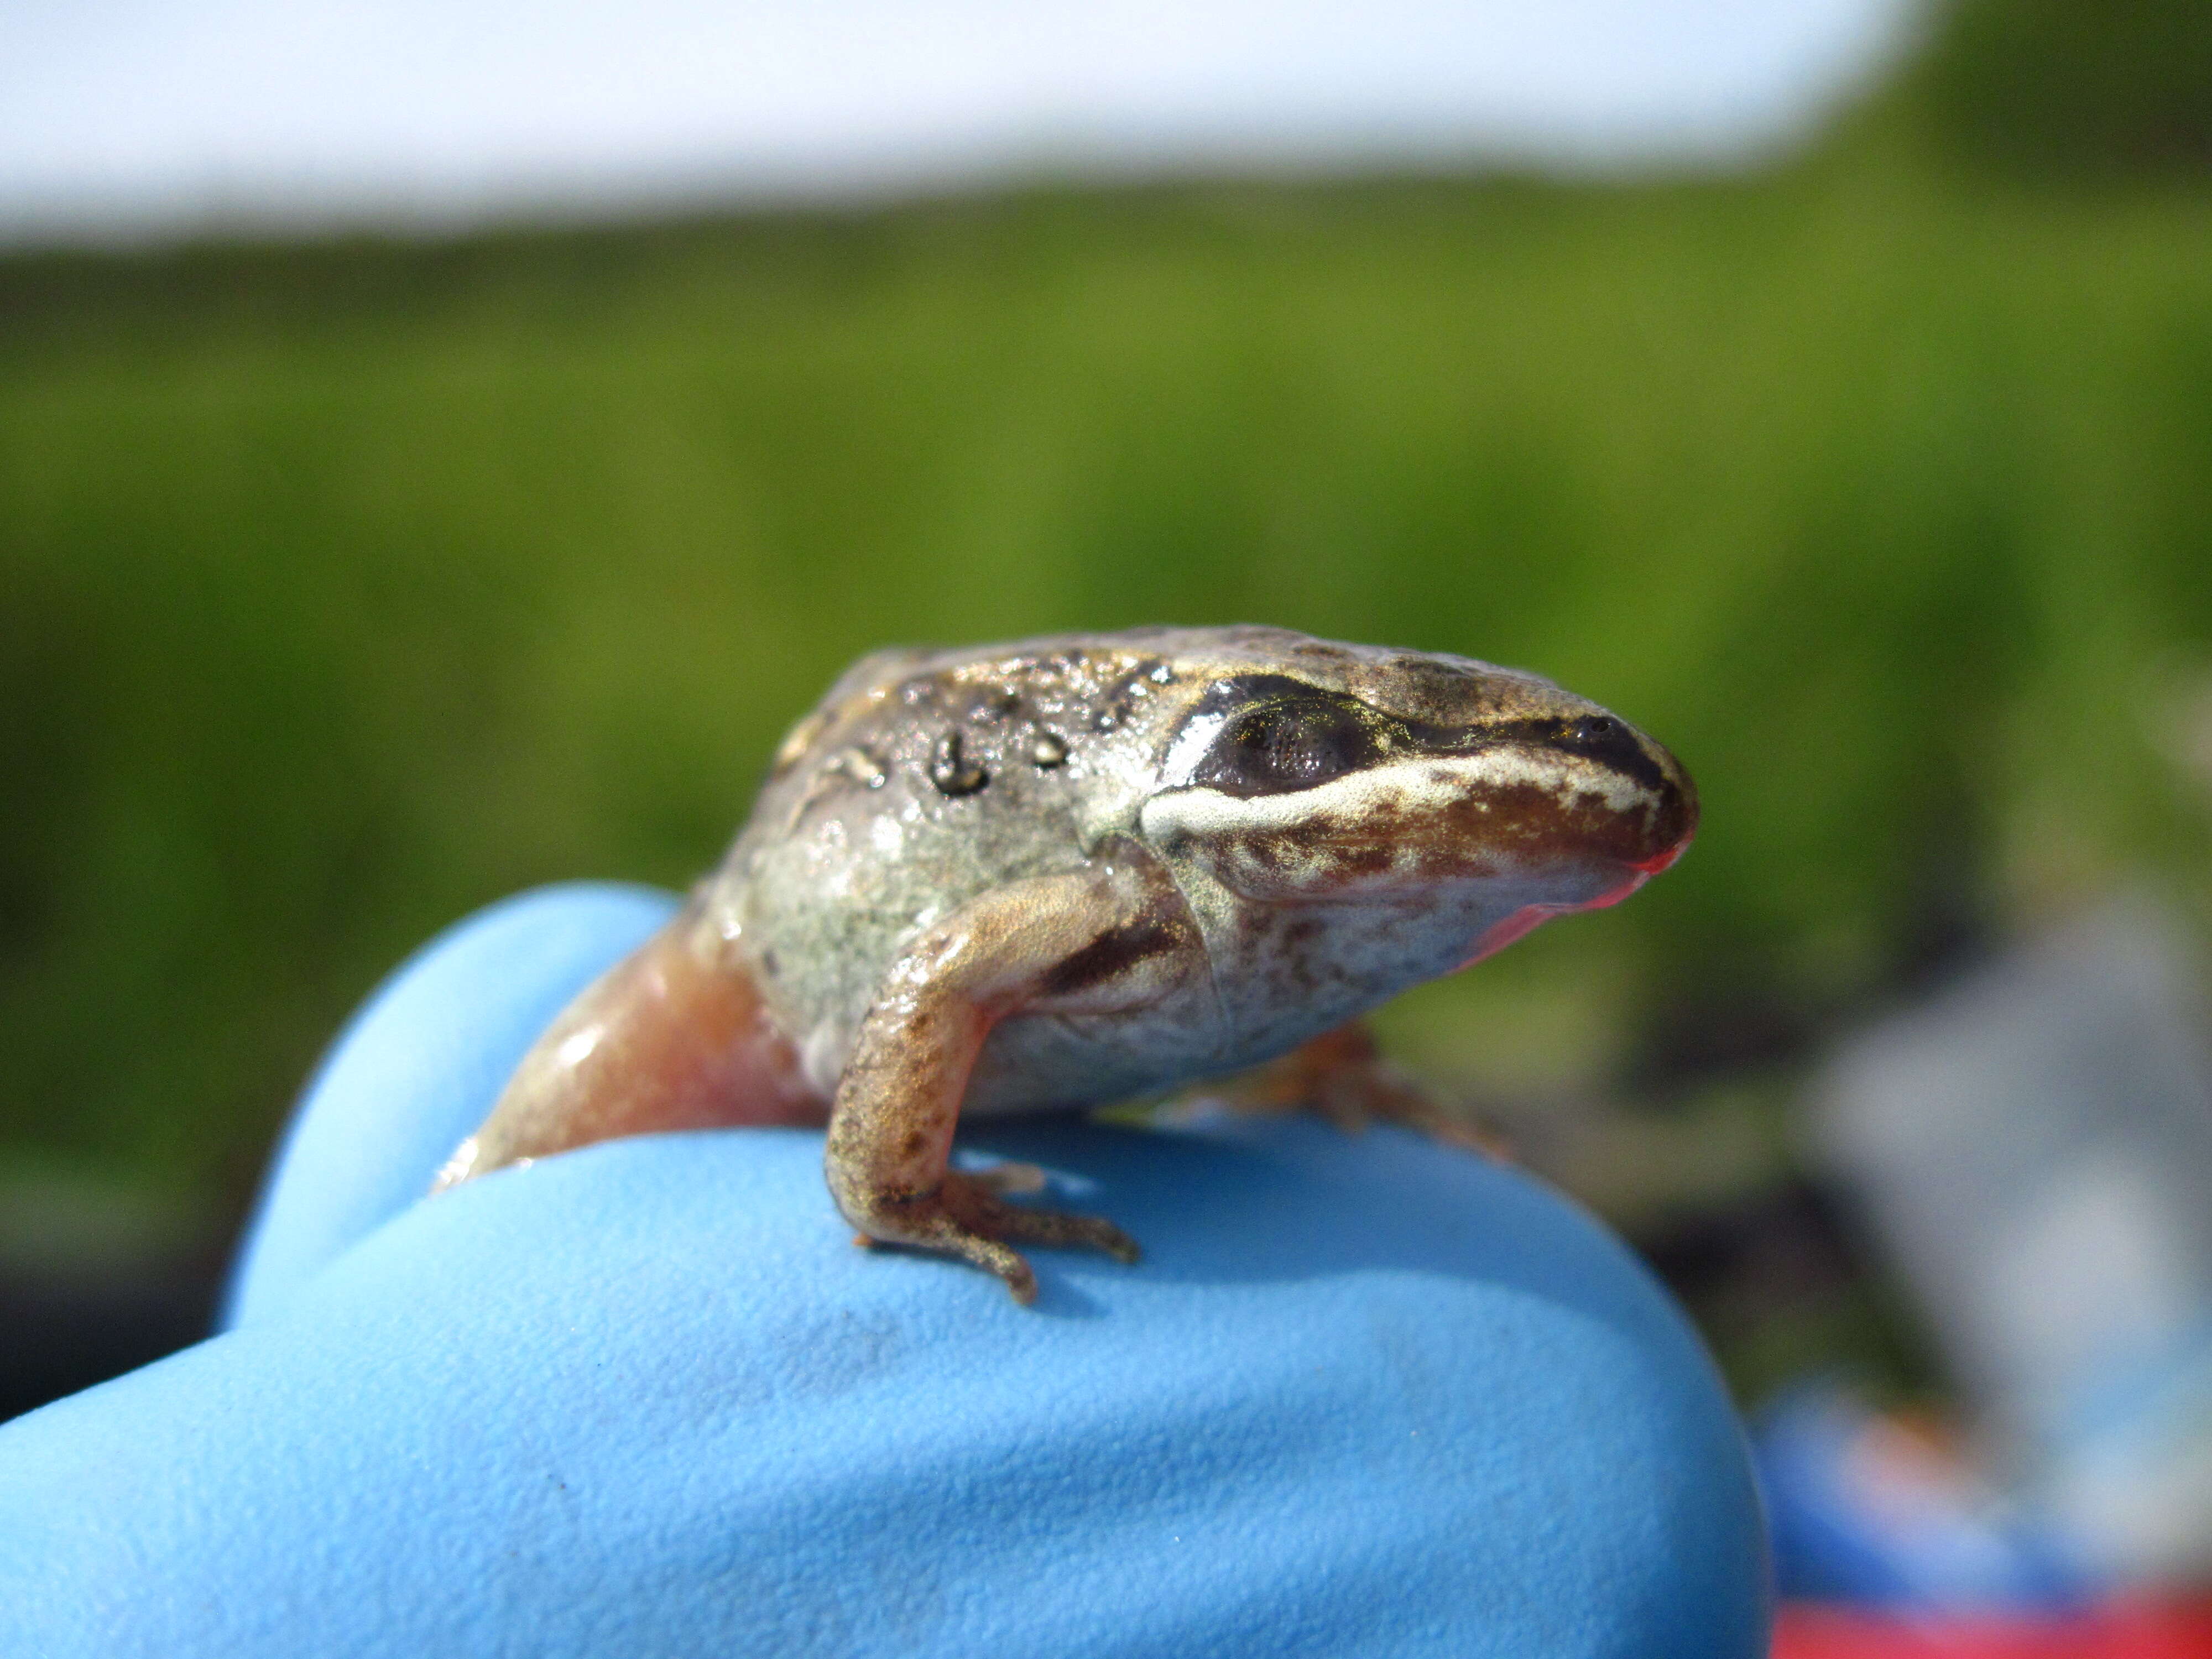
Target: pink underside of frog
1525	921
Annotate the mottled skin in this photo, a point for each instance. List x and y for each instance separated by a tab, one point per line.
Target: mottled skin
1068	870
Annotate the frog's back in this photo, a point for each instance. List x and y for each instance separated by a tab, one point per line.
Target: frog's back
921	780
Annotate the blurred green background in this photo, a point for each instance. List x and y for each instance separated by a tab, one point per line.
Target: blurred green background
347	585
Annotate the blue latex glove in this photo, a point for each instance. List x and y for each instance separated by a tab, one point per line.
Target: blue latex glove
1364	1396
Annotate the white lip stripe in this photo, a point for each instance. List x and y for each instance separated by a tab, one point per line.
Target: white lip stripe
1429	785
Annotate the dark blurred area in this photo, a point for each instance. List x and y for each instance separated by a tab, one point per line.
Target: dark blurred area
2045	89
346	586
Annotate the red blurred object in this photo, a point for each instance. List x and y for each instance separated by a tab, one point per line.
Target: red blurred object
2149	1629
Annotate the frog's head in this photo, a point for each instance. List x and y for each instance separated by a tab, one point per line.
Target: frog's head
1484	800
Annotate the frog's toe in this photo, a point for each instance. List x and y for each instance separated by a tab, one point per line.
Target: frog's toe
926	1225
1058	1228
962	1216
994	1257
972	1201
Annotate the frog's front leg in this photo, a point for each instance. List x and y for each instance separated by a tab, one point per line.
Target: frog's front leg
1107	939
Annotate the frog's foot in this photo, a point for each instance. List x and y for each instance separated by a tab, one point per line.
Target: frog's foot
1342	1076
964	1217
1375	1091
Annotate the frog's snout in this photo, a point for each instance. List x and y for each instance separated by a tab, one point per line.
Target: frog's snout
1589	792
1668	811
1674	818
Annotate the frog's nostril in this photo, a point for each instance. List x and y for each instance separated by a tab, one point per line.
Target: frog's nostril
1602	737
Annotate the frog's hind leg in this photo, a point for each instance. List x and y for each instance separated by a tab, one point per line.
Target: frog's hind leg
1342	1076
673	1037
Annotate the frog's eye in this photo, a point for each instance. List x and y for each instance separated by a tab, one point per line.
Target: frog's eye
1293	743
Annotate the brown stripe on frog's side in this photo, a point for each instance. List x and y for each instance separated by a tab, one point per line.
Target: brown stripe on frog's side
1152	922
1114	951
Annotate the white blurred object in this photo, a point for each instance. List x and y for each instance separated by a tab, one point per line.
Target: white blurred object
134	117
2034	1147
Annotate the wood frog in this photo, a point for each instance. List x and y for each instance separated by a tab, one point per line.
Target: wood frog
1072	870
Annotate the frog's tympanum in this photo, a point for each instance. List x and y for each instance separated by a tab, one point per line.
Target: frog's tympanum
1071	871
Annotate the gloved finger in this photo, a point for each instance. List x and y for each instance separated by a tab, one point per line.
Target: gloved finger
417	1068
